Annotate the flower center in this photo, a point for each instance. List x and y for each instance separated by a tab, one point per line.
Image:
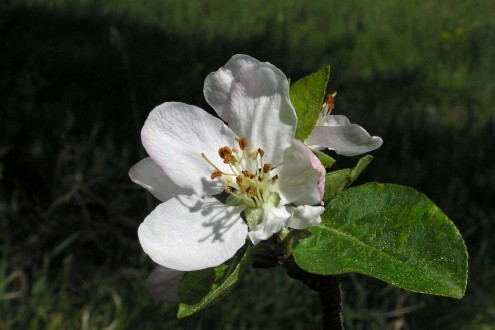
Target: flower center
249	177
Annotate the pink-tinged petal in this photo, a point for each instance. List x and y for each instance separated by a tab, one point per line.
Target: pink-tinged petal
320	182
305	216
191	232
218	84
298	177
260	109
175	135
163	283
345	138
149	176
274	219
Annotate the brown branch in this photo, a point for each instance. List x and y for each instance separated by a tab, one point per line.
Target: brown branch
328	287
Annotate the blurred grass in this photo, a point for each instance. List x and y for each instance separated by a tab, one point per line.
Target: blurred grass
78	79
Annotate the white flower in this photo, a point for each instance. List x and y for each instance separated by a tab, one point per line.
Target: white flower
272	178
336	132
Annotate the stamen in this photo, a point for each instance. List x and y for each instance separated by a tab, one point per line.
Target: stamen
275	178
216	174
243	143
261	152
230	159
330	99
266	168
224	152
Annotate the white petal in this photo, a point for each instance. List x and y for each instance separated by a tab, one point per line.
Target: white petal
298	178
274	219
345	138
163	283
217	84
149	176
260	109
305	216
175	135
190	233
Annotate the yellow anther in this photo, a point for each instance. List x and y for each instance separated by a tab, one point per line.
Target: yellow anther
243	143
238	179
266	168
216	174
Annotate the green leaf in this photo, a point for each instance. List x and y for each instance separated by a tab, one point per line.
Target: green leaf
337	181
201	289
390	232
307	97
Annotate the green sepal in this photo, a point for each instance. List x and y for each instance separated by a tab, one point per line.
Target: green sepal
201	289
337	181
325	159
307	95
234	200
254	216
389	232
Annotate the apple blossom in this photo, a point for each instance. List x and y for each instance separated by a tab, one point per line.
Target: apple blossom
273	181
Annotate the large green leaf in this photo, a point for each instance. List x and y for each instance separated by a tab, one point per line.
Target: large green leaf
307	97
203	288
390	232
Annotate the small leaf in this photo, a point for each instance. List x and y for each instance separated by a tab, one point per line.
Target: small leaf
307	96
325	159
337	181
390	232
201	289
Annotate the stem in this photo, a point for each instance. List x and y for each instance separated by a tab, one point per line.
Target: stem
328	287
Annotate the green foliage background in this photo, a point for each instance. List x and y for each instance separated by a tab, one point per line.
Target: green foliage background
78	78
